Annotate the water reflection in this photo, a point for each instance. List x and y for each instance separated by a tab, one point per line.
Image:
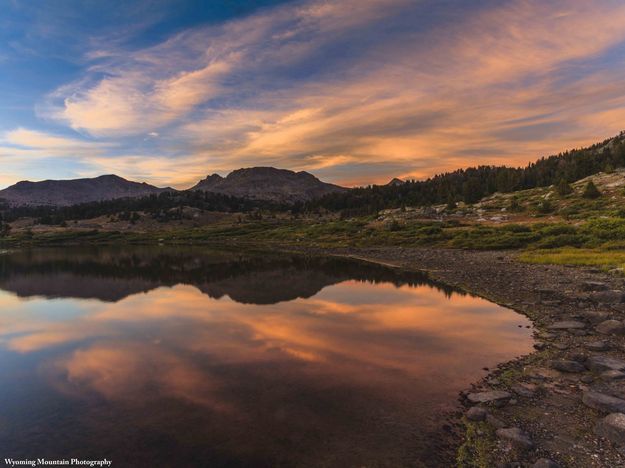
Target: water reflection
176	357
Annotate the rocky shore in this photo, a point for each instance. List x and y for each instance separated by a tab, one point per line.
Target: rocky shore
564	404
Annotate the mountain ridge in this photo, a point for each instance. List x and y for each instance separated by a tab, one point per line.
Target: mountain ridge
255	183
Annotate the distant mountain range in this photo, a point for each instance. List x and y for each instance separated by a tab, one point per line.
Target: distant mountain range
72	192
258	183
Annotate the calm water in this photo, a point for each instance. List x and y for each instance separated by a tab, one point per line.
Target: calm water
184	357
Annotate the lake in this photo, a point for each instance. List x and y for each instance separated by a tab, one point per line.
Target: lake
184	356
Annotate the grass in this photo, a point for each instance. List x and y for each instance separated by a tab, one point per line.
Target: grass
604	233
601	258
477	449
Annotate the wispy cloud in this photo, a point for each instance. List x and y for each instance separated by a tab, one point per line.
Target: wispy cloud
382	86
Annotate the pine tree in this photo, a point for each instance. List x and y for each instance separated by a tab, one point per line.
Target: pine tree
591	191
564	188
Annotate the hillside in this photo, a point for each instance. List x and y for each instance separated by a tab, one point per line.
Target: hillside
268	183
71	192
472	184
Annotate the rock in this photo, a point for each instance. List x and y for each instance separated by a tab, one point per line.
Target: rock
476	414
594	286
495	422
603	402
598	346
525	390
546	335
552	302
604	363
516	436
540	346
587	378
545	463
566	325
611	327
488	397
612	427
594	316
612	375
607	297
564	365
561	346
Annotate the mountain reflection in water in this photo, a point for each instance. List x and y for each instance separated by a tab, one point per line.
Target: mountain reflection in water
187	357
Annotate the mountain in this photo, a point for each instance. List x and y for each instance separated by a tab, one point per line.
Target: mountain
268	183
71	192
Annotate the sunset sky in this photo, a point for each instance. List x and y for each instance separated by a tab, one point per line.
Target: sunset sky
354	91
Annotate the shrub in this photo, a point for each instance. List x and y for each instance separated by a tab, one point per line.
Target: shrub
561	240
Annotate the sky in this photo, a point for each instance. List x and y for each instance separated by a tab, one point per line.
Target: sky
353	91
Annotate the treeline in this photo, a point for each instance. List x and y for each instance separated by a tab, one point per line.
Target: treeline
472	184
165	206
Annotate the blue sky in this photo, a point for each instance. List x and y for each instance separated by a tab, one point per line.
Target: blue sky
354	91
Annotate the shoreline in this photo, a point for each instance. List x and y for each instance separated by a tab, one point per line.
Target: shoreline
548	404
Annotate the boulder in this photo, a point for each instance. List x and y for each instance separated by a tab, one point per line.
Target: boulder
604	363
488	397
516	437
603	402
611	327
612	427
566	325
564	365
